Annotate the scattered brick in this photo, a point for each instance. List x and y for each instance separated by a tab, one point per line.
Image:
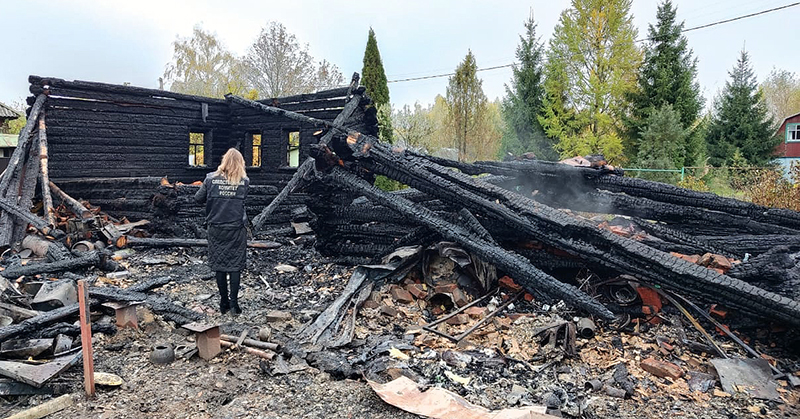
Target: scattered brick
458	319
417	290
401	296
507	282
475	312
371	304
278	316
715	262
459	297
446	288
661	368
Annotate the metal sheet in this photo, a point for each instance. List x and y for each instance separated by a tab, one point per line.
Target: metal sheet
751	376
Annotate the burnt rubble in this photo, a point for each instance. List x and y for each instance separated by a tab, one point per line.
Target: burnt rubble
457	202
526	287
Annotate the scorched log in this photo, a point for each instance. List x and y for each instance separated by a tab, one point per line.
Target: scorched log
92	258
531	278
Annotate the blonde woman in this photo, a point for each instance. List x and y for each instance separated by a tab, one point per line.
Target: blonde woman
224	192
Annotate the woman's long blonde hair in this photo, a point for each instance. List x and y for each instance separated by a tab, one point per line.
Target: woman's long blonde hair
232	167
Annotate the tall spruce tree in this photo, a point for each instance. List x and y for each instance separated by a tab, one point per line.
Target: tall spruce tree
523	102
373	77
667	77
741	121
663	143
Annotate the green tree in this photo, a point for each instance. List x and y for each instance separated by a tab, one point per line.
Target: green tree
467	104
593	55
741	120
781	91
278	65
668	76
663	144
523	102
413	127
373	77
202	66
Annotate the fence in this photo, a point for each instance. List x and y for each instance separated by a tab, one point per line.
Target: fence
770	186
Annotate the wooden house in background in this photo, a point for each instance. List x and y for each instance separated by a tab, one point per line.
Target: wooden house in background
8	142
789	149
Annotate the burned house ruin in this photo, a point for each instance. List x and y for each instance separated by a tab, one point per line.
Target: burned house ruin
111	145
578	236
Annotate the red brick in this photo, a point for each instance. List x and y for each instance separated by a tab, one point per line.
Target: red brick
401	296
661	368
509	283
475	312
715	262
458	319
446	288
459	297
417	290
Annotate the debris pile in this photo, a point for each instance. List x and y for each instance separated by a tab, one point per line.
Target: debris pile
488	289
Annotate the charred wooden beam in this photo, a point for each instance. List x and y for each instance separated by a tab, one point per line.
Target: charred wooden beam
180	242
308	165
92	258
79	209
548	225
531	278
157	303
22	213
22	144
35	323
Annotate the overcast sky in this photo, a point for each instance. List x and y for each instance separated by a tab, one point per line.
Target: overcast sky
130	41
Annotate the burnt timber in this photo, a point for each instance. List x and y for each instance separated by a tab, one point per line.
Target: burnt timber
125	148
533	220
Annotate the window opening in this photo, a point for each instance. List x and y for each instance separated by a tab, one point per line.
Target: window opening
255	141
293	150
197	142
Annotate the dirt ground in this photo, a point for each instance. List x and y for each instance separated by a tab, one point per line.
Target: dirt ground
505	364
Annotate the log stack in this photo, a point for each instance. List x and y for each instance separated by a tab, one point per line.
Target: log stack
499	217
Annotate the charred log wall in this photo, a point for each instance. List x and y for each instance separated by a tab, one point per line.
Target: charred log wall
98	130
105	130
275	129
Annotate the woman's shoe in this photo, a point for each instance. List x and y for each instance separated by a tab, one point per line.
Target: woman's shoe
235	309
224	306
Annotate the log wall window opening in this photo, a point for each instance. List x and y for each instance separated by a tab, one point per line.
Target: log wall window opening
293	149
792	132
255	142
197	143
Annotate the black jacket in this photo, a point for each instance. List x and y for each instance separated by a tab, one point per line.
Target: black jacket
224	202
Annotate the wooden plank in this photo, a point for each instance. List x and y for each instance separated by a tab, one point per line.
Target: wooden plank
38	375
47	408
44	174
22	145
62	115
75	206
86	338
